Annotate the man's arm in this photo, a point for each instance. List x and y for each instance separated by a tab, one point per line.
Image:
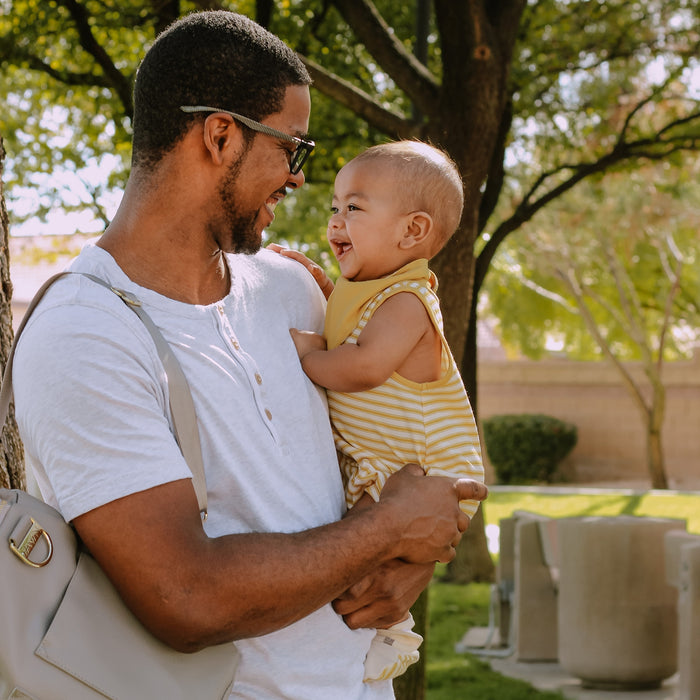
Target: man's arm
382	347
192	591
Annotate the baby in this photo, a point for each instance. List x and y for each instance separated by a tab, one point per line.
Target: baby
394	392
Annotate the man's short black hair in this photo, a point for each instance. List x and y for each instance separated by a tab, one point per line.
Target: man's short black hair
216	58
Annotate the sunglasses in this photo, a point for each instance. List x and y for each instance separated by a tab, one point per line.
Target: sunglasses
303	146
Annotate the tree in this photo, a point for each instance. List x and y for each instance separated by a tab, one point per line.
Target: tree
619	282
12	457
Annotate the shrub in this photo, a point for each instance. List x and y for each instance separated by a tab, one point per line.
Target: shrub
527	447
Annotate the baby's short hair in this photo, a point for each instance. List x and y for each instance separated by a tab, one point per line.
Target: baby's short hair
427	178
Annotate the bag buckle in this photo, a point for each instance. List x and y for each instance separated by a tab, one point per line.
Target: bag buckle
31	537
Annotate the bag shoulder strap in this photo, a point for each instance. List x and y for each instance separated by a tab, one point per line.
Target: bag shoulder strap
181	404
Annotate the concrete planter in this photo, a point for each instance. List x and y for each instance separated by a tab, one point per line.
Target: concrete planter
617	615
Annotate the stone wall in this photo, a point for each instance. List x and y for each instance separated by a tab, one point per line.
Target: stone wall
611	433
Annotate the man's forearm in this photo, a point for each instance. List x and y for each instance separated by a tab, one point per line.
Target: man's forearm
192	591
273	580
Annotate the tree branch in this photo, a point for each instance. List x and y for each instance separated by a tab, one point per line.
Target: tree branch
496	173
506	15
651	148
209	4
573	284
67	78
117	81
405	69
94	192
358	101
629	298
675	287
545	293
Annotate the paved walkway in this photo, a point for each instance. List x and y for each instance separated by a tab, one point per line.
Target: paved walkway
550	675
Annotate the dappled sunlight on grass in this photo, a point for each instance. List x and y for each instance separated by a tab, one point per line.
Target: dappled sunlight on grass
501	504
462	662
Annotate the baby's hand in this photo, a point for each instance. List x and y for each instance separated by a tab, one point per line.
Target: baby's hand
307	341
317	272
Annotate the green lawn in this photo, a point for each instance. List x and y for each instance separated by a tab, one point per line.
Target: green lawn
452	676
501	504
454	608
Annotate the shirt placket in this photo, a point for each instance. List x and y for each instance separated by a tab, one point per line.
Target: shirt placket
250	368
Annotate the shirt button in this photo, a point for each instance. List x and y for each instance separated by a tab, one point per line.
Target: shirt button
258	378
235	344
268	414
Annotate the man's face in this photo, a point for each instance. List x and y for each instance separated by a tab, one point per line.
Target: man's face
258	179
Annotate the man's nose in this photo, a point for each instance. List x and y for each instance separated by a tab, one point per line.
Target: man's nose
296	180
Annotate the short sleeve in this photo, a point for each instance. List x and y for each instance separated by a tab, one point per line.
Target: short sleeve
92	405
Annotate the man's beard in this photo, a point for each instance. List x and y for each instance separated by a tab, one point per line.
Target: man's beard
242	236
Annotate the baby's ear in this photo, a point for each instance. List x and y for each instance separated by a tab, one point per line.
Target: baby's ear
419	229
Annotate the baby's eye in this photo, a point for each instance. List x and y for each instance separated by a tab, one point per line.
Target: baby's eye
352	207
334	210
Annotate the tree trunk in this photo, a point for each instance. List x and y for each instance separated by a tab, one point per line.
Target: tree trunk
12	457
454	267
411	685
475	74
655	452
165	14
263	12
656	460
473	562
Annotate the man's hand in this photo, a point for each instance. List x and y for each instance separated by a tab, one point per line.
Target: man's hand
306	342
426	517
317	272
384	597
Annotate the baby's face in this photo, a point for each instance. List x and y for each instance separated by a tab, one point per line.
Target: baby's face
367	224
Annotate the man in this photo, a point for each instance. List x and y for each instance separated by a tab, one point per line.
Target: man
93	412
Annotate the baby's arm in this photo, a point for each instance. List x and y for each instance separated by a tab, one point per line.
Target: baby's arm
385	343
307	341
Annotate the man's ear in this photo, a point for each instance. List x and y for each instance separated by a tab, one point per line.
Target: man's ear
419	228
220	133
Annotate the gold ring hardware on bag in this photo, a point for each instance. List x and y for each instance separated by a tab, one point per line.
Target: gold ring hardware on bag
34	533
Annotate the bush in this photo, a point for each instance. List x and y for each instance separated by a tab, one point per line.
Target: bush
528	447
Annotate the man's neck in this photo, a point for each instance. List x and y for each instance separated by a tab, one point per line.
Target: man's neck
169	270
160	242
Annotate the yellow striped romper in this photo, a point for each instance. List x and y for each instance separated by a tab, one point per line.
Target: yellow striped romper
380	430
